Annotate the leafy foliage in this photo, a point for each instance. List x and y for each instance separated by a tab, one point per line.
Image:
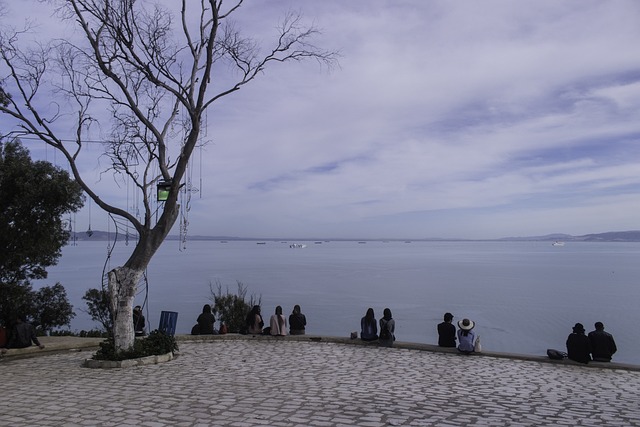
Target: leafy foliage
99	308
16	299
156	343
52	308
232	308
35	196
45	308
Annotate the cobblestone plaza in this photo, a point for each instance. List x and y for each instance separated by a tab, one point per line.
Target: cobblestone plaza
282	382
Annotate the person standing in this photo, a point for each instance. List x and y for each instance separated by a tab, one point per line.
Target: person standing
578	345
139	322
466	336
387	329
369	326
297	321
278	323
447	332
603	346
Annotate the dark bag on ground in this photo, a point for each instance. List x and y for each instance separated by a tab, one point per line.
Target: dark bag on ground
195	330
556	354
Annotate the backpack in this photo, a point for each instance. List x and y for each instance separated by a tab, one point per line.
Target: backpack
556	354
385	333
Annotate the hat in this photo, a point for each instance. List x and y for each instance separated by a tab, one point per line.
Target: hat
466	324
448	317
578	328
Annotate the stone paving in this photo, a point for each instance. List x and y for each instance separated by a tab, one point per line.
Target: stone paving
281	382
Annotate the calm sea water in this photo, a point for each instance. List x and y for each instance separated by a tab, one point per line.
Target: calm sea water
523	296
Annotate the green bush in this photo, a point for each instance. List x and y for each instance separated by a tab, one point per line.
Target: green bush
98	304
231	308
155	344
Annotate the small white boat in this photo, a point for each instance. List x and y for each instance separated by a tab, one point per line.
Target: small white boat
557	243
297	246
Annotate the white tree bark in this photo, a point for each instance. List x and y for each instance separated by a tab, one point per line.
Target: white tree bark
123	282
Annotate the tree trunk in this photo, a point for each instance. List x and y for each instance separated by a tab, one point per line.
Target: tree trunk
123	283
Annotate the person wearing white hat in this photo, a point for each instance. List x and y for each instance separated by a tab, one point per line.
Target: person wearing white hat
466	336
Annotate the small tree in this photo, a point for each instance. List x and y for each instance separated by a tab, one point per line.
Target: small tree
99	308
34	197
52	308
47	308
231	308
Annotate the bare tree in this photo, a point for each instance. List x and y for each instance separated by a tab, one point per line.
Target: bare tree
153	76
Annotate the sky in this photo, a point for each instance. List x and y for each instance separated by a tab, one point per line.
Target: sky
466	119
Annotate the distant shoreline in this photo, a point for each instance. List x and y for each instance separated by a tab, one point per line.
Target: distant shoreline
612	236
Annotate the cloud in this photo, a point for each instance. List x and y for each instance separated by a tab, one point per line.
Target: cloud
459	119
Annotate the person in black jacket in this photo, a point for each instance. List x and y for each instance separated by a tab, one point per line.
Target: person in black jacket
205	321
297	321
139	322
603	346
447	332
578	345
22	335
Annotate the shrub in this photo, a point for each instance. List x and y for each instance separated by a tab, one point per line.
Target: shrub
155	344
45	308
231	308
52	307
98	304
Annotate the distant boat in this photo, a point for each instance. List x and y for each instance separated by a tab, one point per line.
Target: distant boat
297	246
557	243
261	243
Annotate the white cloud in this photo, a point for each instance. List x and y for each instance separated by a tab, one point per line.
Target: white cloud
462	119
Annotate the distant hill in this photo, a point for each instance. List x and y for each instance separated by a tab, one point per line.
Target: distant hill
611	236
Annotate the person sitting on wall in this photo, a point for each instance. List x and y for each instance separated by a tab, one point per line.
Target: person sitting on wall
603	346
387	329
369	326
205	320
466	337
254	322
278	323
578	345
447	332
139	322
297	321
22	335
